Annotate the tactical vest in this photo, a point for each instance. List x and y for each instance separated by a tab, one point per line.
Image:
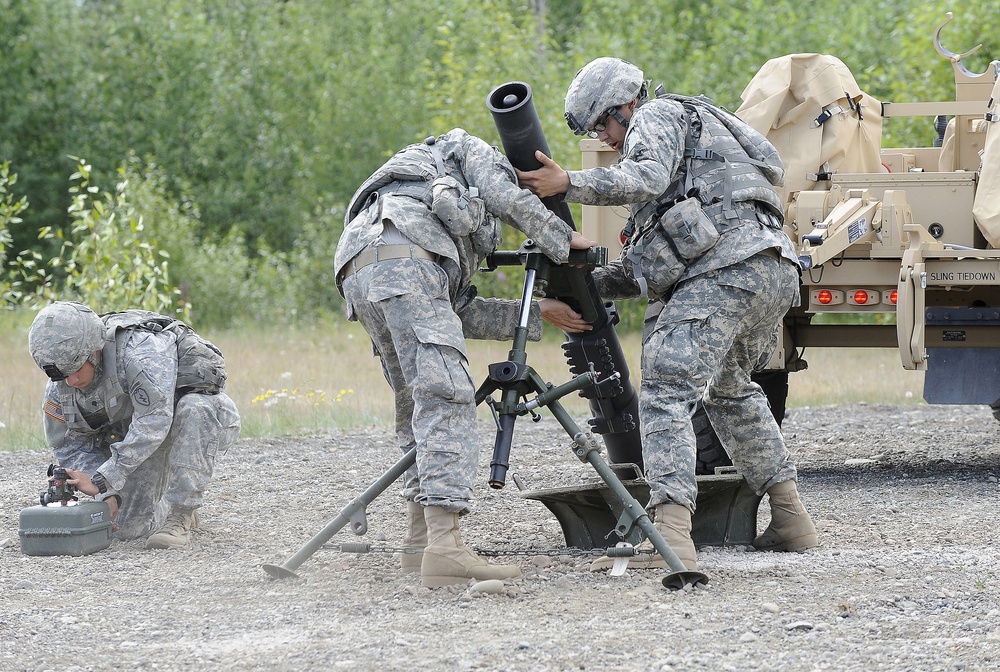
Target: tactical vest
417	171
201	366
410	172
729	173
739	165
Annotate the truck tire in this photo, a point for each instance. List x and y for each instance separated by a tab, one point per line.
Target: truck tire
711	454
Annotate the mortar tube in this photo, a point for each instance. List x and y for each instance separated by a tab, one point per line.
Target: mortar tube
513	110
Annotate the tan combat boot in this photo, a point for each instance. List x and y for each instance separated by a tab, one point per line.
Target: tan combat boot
791	528
673	522
447	560
175	531
415	538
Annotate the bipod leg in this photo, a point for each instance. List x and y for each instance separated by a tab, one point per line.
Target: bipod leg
588	450
286	570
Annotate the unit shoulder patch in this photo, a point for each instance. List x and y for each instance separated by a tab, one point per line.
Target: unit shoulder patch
139	394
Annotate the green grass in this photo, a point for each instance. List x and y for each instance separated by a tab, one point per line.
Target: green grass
307	380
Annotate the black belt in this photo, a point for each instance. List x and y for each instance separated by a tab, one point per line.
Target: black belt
370	255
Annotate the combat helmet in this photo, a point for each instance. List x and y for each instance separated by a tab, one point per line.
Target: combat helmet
599	87
63	336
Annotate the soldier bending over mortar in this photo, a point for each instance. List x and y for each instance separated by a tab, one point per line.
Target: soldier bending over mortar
415	232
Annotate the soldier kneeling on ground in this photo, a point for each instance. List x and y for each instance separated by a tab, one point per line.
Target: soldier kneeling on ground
135	410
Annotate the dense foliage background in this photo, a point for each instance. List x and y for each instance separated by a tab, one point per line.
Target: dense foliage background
196	155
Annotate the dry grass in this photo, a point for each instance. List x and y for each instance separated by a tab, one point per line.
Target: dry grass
314	378
852	375
311	379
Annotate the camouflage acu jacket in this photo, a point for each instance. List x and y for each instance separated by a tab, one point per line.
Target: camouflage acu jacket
475	164
652	158
147	369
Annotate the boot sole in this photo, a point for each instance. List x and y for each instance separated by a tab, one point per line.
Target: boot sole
797	545
441	580
162	545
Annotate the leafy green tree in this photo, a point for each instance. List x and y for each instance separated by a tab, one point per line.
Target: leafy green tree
10	209
268	115
109	260
41	60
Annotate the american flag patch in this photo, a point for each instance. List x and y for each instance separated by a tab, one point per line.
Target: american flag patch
54	411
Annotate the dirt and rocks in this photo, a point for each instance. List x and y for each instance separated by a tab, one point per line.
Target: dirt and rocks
906	499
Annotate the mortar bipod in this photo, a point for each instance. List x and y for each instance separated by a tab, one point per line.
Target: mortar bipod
353	513
515	380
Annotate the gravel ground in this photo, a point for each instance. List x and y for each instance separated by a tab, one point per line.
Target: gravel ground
906	500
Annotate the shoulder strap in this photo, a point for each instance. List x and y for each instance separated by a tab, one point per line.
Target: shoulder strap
692	153
403	176
431	142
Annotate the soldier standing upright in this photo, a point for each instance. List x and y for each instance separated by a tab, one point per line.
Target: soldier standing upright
415	233
135	409
705	244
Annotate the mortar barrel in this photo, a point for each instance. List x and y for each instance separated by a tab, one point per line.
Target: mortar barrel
514	115
513	110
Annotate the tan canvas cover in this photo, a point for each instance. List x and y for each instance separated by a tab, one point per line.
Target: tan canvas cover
949	152
986	207
785	100
946	160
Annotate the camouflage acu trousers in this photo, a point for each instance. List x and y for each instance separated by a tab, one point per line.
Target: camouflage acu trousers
177	474
405	307
715	330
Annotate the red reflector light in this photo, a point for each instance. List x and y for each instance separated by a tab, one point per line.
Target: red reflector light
861	297
893	295
824	296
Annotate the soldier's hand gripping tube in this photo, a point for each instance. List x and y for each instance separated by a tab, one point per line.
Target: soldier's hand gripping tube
514	114
614	404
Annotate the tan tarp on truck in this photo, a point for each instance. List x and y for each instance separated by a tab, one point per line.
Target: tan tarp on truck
808	107
986	207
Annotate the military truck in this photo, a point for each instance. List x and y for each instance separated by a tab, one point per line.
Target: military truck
908	233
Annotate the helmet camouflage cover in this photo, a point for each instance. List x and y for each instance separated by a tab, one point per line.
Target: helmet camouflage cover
602	84
62	336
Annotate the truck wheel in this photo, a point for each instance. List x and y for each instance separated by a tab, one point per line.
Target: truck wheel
711	454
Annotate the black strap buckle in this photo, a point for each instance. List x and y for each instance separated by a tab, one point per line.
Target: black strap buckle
706	155
53	372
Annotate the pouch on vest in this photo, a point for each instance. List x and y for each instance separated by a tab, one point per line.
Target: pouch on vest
459	208
690	229
200	365
660	255
654	262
